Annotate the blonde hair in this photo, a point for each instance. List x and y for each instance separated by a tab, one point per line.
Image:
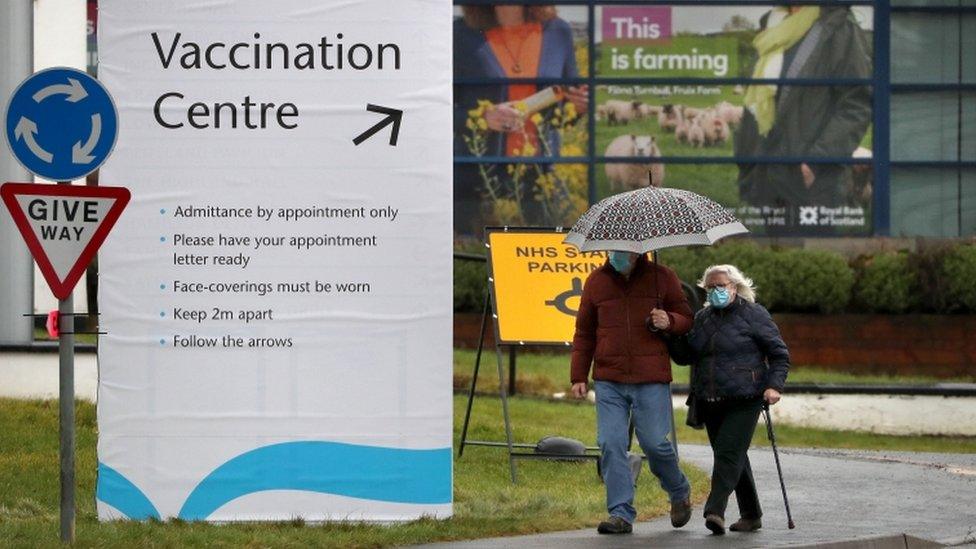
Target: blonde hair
744	285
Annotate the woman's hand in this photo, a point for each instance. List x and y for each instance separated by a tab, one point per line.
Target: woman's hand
579	390
771	396
504	118
579	96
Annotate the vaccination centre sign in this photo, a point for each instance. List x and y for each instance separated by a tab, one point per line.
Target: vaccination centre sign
278	296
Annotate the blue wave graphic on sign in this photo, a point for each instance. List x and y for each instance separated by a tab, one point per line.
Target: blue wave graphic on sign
369	472
119	492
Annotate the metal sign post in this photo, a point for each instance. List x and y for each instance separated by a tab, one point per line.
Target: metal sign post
63	226
66	420
61	124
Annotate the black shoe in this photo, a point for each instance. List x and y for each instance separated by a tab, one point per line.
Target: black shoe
746	525
716	524
680	512
615	525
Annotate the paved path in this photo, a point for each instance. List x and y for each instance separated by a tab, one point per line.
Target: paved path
35	375
835	495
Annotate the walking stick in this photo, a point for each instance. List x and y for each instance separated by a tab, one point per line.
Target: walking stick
779	469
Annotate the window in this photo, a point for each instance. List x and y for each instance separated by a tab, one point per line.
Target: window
933	118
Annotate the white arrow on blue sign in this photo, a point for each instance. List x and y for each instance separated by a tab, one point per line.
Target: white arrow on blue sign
61	124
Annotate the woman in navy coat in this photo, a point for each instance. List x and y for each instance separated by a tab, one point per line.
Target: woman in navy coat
740	365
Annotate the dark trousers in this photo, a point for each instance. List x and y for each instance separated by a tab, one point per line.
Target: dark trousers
730	425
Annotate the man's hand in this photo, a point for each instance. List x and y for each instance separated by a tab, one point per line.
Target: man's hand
808	176
771	396
660	319
579	390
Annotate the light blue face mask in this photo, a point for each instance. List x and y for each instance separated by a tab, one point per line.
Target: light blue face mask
718	297
621	262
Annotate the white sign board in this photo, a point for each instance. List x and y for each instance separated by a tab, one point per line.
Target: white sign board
278	296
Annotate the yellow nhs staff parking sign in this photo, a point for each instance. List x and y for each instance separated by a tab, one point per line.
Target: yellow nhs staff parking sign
536	284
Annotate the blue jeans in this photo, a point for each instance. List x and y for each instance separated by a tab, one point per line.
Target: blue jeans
650	406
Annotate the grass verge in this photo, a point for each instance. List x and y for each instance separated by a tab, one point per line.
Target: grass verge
549	496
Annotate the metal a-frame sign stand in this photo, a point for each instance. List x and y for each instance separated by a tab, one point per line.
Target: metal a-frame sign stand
517	450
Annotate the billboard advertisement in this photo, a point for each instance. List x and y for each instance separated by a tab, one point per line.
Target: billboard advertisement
665	87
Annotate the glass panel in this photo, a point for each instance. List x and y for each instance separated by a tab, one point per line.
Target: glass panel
925	47
968	199
925	126
969	47
770	199
548	121
517	195
936	3
968	138
536	41
710	120
926	202
717	42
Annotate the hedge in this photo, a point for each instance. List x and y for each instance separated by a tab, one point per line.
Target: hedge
794	280
887	284
959	273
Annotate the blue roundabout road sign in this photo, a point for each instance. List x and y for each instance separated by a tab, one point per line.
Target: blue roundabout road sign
61	124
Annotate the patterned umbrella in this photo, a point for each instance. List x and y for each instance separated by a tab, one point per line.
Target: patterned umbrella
651	218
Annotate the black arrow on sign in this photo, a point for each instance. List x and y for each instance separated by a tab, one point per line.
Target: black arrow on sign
393	116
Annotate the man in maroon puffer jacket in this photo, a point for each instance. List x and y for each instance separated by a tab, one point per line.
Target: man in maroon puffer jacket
623	304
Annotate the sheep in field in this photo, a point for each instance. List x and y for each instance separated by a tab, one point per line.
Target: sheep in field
625	177
696	134
730	113
620	112
669	117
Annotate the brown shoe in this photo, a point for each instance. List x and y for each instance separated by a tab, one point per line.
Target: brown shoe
680	512
716	524
615	525
746	525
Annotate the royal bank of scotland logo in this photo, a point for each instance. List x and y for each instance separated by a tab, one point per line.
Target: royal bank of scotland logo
808	215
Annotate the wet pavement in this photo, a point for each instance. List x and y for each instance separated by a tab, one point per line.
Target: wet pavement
834	496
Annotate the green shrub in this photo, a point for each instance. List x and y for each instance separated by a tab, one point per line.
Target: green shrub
811	281
470	286
959	276
756	262
685	262
887	284
689	263
936	279
926	264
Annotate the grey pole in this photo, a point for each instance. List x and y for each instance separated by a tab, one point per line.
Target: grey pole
16	64
66	396
66	399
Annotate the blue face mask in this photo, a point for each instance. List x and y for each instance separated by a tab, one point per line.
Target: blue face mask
718	297
621	262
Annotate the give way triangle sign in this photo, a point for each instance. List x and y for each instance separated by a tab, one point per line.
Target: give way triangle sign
63	225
